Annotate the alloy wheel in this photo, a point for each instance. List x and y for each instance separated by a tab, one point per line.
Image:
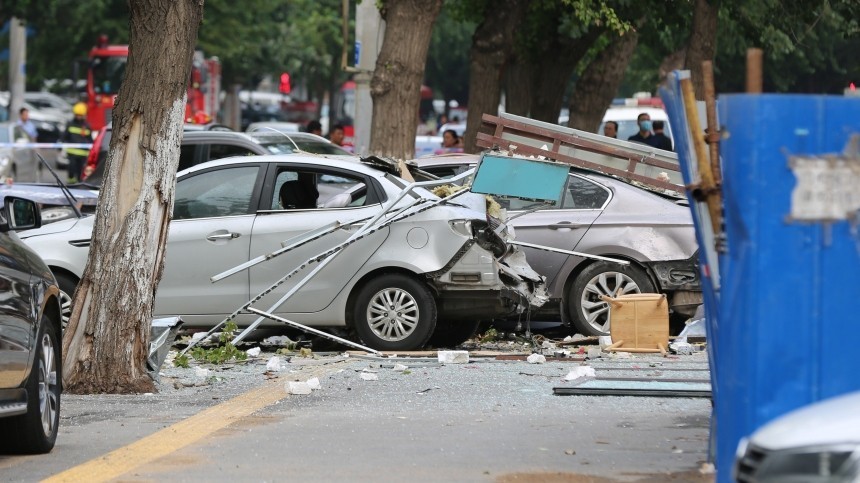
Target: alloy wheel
48	401
611	284
65	309
392	314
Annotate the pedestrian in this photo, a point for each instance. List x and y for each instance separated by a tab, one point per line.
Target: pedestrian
644	135
660	140
335	134
26	124
78	132
314	127
443	119
610	129
451	143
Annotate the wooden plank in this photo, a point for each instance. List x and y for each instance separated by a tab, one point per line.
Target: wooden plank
526	130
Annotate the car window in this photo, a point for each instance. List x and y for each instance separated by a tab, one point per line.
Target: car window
581	194
186	156
221	192
218	151
302	190
4	135
443	172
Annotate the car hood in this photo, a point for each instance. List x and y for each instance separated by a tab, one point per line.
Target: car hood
832	421
57	227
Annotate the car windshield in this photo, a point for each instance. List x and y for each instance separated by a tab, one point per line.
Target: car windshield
307	145
107	72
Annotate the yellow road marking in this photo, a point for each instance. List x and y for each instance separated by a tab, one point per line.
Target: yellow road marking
179	435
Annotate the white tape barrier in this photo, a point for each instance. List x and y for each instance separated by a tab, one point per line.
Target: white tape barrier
45	145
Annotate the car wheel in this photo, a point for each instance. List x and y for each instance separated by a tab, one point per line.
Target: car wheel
453	333
394	312
590	314
67	286
36	431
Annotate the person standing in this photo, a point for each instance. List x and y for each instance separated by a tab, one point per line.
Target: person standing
610	129
26	124
314	127
335	135
660	140
644	135
78	132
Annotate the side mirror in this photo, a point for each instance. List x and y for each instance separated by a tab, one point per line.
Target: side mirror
20	214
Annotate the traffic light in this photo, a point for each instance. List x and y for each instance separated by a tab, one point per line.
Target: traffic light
285	83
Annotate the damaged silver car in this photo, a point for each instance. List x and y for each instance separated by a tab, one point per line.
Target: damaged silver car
436	272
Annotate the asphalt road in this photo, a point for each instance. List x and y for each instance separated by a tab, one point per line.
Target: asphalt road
484	421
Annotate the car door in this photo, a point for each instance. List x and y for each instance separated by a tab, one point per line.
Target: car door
16	322
564	227
298	199
210	233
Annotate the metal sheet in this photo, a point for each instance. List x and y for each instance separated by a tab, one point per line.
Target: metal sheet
517	177
636	387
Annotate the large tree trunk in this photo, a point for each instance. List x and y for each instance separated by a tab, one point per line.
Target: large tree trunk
599	82
702	45
396	84
552	73
107	341
491	47
518	81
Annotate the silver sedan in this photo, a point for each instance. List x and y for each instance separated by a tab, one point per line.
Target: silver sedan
436	272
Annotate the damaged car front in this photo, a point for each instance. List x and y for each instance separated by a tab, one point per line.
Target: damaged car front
486	278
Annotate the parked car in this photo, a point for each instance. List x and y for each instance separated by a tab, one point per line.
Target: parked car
199	146
602	215
275	126
52	200
814	444
438	272
49	126
30	335
50	103
20	164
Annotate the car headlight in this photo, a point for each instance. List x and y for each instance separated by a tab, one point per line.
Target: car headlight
461	227
821	464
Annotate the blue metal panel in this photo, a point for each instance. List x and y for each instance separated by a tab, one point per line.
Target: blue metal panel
524	178
789	331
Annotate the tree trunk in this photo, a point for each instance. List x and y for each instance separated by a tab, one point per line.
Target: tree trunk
599	82
396	84
552	72
491	47
702	45
106	343
518	93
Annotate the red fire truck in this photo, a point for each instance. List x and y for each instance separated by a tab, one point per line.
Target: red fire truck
106	69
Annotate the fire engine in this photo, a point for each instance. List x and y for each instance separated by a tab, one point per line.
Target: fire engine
106	69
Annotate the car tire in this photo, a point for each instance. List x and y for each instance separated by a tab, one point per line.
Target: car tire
381	326
67	285
449	334
36	431
590	314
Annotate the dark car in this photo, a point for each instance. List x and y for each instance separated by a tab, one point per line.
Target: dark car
201	145
30	335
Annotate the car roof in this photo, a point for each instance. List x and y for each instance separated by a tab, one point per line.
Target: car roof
631	113
297	158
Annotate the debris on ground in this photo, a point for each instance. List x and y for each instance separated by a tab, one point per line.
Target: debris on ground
580	371
299	388
369	376
536	359
314	383
274	364
278	341
253	352
453	357
400	367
